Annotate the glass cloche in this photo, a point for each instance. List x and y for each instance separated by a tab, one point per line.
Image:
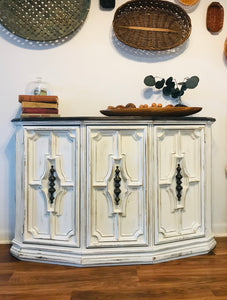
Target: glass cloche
38	87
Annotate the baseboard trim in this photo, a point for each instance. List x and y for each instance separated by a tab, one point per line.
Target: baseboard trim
220	229
220	235
5	242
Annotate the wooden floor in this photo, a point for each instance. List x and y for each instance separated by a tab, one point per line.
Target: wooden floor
201	277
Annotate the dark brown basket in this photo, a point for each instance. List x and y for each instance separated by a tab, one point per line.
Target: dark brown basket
43	20
215	17
151	24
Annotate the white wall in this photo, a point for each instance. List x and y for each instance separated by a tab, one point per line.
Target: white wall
93	69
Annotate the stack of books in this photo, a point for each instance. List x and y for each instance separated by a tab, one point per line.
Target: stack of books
39	106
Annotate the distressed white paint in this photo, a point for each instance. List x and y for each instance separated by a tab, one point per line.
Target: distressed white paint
110	223
43	220
85	225
183	147
93	70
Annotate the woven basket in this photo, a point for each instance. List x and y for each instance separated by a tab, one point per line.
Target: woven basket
188	2
215	17
151	24
43	20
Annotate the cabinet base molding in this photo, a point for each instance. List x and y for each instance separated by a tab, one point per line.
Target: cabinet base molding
104	257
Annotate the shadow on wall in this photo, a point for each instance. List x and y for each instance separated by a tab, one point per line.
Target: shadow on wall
225	59
33	45
123	49
146	55
11	157
12	190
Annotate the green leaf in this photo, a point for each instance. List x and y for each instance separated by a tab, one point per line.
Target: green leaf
192	82
166	91
159	84
183	87
149	80
169	80
171	84
175	93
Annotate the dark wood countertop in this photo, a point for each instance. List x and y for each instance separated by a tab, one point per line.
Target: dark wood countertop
115	118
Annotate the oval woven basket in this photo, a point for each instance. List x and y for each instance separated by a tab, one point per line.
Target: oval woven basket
215	17
151	24
43	20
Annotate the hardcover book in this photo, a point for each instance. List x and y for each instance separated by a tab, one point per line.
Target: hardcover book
38	98
28	104
40	110
39	115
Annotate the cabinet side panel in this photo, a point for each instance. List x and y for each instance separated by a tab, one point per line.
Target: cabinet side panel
20	185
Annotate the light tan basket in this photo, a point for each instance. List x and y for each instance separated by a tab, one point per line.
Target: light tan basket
151	24
188	2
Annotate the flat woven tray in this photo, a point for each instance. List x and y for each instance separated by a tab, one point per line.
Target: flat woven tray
151	24
43	20
215	17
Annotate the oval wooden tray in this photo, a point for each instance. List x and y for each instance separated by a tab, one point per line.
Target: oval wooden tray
215	17
151	24
152	111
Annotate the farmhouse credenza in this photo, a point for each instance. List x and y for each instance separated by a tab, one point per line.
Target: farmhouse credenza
94	191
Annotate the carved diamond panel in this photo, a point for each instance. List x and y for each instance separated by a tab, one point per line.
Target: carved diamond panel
51	202
117	186
180	183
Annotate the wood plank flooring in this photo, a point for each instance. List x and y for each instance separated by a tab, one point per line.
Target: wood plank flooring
202	277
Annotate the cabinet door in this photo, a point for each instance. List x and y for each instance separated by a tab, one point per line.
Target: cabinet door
179	209
51	186
116	195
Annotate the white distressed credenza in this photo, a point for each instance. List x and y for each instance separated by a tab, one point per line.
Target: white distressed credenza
94	191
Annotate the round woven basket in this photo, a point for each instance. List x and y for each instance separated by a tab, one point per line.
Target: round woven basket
43	20
151	24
